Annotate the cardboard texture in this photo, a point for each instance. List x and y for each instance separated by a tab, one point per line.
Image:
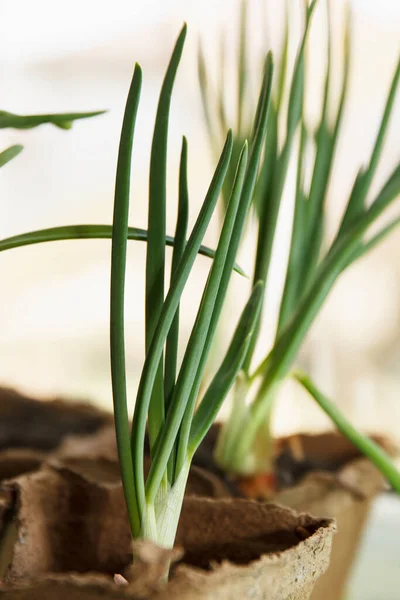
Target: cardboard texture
345	495
332	480
65	534
324	475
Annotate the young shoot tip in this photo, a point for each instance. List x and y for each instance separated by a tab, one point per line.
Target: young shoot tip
137	70
269	59
183	31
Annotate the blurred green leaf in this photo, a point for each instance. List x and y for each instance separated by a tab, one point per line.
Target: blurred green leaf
63	121
117	307
9	154
365	445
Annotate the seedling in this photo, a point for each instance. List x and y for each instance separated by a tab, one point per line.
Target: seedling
167	396
315	263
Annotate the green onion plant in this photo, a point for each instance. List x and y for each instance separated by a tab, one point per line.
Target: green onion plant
315	262
167	402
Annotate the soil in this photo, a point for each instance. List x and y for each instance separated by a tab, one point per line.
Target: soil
295	457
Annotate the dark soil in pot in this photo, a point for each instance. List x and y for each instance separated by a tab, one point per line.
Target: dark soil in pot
295	457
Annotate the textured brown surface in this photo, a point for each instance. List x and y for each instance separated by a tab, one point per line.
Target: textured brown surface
333	480
204	483
251	550
19	461
70	587
229	523
298	455
71	518
344	494
30	423
346	497
103	445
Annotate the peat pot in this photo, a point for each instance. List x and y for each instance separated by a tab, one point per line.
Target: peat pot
64	534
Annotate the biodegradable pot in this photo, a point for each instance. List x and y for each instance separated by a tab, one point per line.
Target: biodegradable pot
323	475
103	446
345	494
72	431
64	534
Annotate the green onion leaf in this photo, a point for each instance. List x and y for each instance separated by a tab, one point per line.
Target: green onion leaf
292	288
260	127
185	393
155	257
64	121
368	447
288	343
227	372
167	315
277	177
356	204
206	96
86	232
171	353
9	154
365	247
171	349
118	266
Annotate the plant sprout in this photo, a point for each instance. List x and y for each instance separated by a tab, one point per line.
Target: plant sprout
167	397
86	232
9	154
315	263
11	120
375	453
63	121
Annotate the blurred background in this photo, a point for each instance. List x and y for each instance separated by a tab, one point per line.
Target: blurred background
55	298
